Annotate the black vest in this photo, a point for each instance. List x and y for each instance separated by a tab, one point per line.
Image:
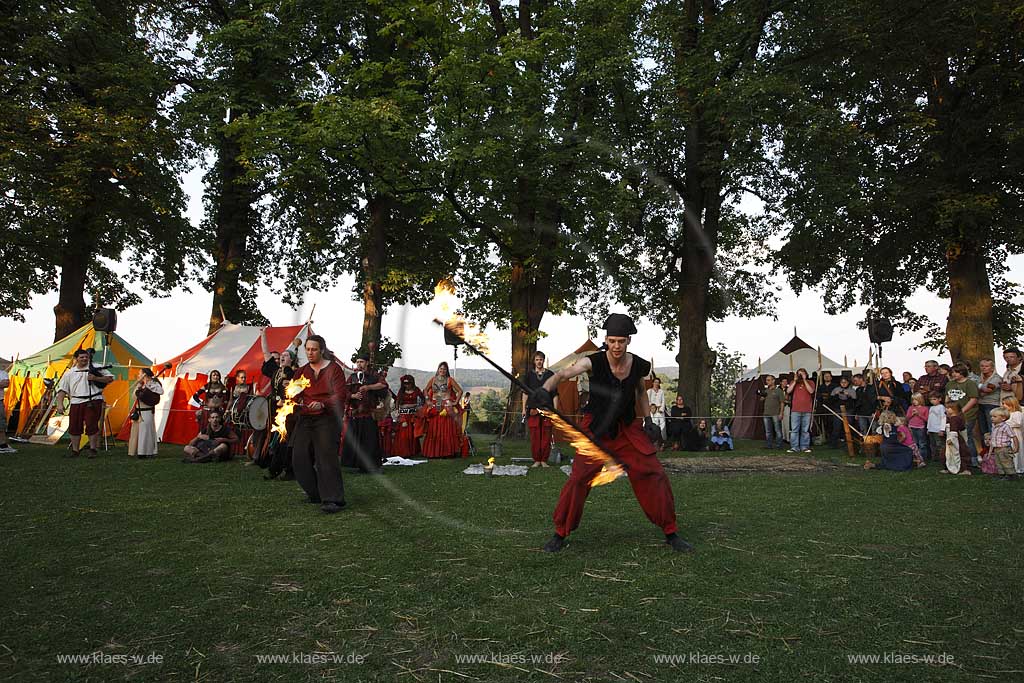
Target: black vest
613	400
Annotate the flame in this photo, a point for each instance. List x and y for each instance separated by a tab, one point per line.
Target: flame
476	337
291	390
587	449
490	463
444	296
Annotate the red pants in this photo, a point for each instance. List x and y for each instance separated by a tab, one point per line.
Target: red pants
540	437
85	413
649	481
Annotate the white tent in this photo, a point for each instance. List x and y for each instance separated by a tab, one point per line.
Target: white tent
793	356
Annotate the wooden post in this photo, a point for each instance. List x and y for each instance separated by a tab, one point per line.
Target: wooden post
849	437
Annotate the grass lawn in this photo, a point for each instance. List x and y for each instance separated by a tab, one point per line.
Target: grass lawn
210	569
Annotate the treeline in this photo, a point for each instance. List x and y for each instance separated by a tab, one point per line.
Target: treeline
549	156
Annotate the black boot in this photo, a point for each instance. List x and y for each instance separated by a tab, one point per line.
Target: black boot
554	544
678	544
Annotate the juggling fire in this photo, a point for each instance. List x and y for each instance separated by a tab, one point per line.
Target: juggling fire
291	390
455	325
587	449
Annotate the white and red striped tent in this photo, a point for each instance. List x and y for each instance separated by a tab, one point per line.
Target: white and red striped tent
230	349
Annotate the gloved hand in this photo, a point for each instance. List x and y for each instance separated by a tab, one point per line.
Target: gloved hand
542	398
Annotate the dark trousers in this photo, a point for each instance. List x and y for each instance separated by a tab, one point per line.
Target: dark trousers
315	458
361	447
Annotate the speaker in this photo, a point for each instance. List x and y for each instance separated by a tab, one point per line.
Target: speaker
104	320
879	330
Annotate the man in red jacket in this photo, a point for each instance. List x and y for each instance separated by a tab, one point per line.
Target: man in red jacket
318	432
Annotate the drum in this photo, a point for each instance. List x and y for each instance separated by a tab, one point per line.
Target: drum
257	413
871	446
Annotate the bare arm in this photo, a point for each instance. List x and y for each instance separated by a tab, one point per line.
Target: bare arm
641	397
574	370
263	345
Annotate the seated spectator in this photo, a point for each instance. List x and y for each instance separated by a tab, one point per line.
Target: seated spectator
721	438
696	437
678	421
896	456
216	443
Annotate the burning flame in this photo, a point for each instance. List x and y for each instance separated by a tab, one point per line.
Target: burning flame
490	463
444	299
587	449
291	390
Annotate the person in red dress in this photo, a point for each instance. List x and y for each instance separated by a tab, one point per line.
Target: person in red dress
409	401
610	419
443	438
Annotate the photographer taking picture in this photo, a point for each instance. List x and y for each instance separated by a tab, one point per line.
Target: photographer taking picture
83	383
801	391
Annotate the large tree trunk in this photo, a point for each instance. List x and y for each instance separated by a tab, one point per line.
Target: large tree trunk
233	219
696	360
70	309
969	326
374	263
529	293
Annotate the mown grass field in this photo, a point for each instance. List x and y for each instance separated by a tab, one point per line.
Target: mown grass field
209	568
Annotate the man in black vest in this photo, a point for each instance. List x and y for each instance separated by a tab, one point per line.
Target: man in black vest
611	420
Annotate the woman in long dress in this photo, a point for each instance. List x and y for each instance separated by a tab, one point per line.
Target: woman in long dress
656	397
443	438
142	441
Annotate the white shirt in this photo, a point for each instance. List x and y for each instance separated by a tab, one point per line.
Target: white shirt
3	376
75	383
657	401
1007	377
937	419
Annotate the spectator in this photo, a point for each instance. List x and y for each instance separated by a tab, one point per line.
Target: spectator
944	370
964	393
697	436
1016	421
5	446
787	409
932	381
843	397
216	443
801	393
957	461
896	455
678	423
656	397
1013	383
865	403
907	379
721	438
822	398
988	394
917	422
936	428
890	393
774	402
1004	445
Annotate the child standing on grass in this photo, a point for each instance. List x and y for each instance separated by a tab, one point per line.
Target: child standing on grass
1016	422
1003	444
936	427
958	458
906	438
917	421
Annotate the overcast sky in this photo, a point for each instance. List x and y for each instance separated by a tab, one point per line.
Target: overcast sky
164	327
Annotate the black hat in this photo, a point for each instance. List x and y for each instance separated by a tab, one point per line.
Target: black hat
619	325
362	355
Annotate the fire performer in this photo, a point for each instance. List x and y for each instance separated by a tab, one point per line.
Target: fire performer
443	438
539	425
316	438
279	367
361	445
409	401
610	420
